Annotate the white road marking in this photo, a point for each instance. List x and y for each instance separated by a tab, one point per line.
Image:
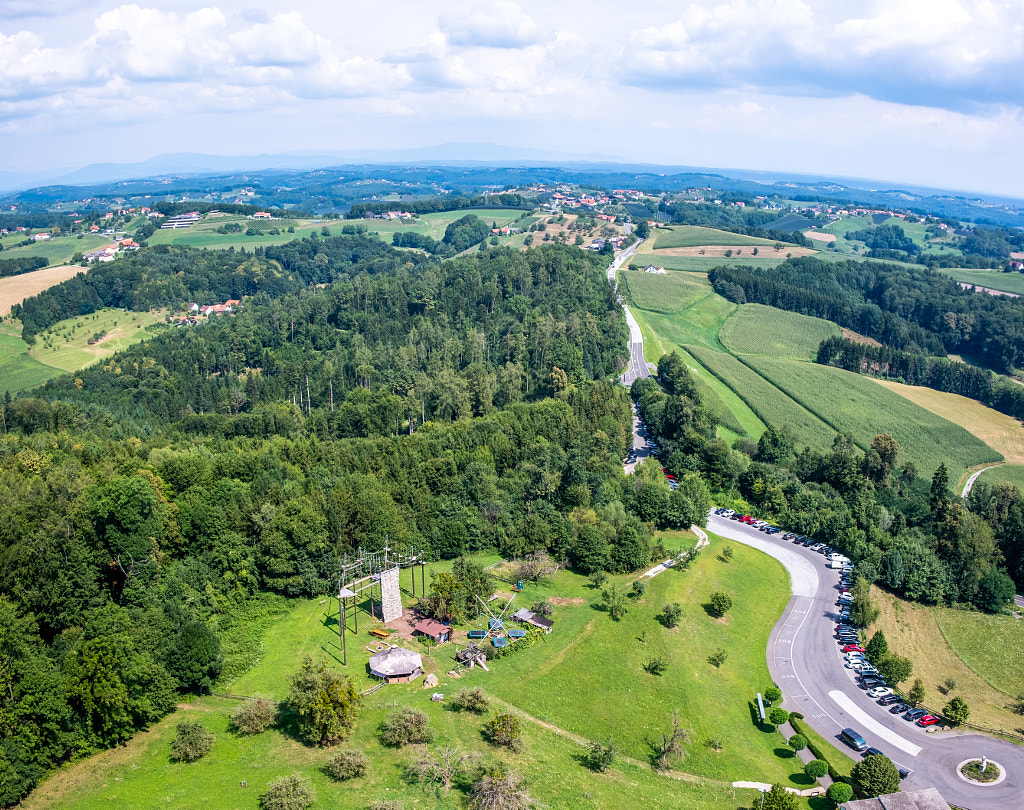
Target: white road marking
867	722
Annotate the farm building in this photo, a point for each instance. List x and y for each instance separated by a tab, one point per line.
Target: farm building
439	633
525	616
396	665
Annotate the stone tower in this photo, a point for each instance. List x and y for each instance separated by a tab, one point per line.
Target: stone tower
390	596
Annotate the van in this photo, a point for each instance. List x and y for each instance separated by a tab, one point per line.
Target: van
853	739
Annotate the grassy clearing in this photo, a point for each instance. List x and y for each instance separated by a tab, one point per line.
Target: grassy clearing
704	264
992	279
18	371
698	325
65	345
694	236
665	293
588	661
757	329
15	289
1000	432
771	405
58	250
984	654
852	402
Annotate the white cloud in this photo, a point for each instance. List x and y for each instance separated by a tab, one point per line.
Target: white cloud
497	25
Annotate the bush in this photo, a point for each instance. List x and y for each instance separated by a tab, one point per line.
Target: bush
798	742
727	553
671	614
295	792
950	684
656	664
816	768
542	608
601	755
470	700
191	741
639	587
778	716
772	694
406	726
499	791
957	711
346	765
839	792
875	775
325	701
916	693
254	716
717	658
504	729
720	603
778	798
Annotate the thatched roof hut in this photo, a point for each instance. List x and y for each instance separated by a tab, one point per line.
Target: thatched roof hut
396	665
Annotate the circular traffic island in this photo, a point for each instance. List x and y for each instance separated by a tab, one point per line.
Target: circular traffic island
981	772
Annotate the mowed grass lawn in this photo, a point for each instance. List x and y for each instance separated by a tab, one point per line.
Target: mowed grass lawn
852	402
758	329
698	325
695	236
984	654
704	264
585	679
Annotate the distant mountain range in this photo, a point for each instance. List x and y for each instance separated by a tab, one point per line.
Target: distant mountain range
477	155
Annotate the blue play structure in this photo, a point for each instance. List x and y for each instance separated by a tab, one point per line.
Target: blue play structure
517	632
499	641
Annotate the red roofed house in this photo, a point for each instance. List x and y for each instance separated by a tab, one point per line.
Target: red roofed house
440	633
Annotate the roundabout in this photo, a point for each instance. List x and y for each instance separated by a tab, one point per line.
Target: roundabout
982	772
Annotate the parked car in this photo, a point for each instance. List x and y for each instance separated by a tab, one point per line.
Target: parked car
853	739
873	752
915	714
853	648
899	708
889	700
928	720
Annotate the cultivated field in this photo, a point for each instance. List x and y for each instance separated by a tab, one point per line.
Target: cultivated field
851	402
1010	473
664	293
704	264
758	329
15	289
732	251
999	431
588	660
983	654
65	345
18	371
694	236
992	279
770	404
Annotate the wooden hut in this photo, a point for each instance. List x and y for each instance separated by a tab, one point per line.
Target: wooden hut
438	632
396	665
524	616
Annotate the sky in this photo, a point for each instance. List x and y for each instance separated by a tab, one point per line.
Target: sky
928	92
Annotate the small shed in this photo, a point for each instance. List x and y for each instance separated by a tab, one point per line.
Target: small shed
438	632
525	616
396	665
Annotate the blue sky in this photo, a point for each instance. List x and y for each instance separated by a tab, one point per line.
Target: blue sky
913	91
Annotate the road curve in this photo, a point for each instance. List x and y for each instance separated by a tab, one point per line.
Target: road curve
805	662
637	366
970	482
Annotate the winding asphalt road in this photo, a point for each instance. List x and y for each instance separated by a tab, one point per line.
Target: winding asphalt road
806	663
637	365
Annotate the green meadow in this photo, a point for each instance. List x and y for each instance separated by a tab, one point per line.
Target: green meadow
695	236
762	330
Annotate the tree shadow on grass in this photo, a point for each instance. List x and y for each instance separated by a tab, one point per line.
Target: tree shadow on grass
755	718
820	803
803	780
784	752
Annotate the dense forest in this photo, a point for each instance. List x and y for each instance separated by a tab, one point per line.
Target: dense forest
911	309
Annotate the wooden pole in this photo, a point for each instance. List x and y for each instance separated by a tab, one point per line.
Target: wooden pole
355	613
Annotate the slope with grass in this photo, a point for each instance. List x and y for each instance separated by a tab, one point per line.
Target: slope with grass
699	325
762	330
990	279
664	293
588	660
66	345
19	371
851	402
15	289
57	251
771	405
695	236
1010	473
982	653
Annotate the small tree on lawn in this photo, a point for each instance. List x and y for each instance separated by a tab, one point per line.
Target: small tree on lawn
720	603
671	614
600	755
727	553
504	729
895	668
639	588
598	578
916	693
470	700
254	716
949	684
816	768
877	648
499	791
798	742
656	663
191	741
875	775
295	792
542	608
717	658
442	768
672	743
778	798
325	701
772	694
614	602
346	765
778	716
406	726
839	792
957	711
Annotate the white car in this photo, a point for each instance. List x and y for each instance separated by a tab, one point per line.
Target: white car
879	692
867	669
856	664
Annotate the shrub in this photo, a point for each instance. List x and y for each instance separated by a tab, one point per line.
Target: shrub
875	775
916	693
778	716
600	755
639	587
798	742
346	765
720	603
656	664
470	700
727	553
816	768
950	684
499	791
504	729
839	792
406	726
614	602
542	608
778	798
772	693
957	711
325	701
295	792
254	716
717	658
671	614
598	578
191	741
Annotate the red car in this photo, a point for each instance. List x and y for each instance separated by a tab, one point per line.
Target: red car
928	720
853	648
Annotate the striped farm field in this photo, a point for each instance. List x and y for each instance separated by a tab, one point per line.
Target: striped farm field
757	329
771	405
665	293
694	236
1008	473
851	402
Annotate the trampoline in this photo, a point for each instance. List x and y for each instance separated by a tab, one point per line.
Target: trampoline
477	634
499	641
517	632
